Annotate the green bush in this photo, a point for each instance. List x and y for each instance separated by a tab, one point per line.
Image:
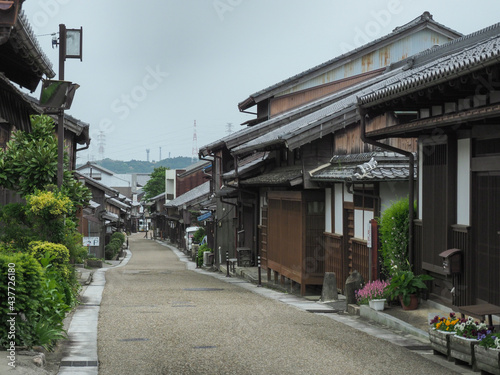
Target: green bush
198	235
394	238
77	252
26	277
201	250
17	227
58	253
120	236
114	245
110	251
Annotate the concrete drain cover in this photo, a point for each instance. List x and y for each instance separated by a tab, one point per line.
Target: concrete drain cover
202	289
135	339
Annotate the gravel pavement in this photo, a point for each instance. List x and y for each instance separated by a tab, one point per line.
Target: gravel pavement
157	317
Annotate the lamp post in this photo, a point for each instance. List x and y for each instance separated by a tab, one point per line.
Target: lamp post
58	94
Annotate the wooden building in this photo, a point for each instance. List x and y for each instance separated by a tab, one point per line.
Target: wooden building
451	98
302	124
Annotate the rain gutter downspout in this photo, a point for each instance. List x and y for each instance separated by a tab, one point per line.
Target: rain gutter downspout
411	193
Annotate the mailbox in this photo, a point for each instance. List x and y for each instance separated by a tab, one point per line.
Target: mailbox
452	261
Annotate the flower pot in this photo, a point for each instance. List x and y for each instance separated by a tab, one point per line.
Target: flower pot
462	349
377	304
440	341
487	359
413	302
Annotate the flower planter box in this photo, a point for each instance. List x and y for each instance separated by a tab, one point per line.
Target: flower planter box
440	342
377	304
487	359
462	349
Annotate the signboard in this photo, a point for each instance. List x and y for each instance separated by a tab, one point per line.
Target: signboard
205	216
90	241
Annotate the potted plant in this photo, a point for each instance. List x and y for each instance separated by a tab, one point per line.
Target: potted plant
465	338
406	286
487	352
372	294
442	328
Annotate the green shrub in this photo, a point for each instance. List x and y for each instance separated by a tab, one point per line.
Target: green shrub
27	279
201	250
119	235
58	253
77	252
114	245
110	251
394	238
198	235
17	227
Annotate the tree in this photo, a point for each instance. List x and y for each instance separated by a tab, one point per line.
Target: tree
30	163
156	184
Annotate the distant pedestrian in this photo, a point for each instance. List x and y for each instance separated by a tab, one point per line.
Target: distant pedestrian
146	235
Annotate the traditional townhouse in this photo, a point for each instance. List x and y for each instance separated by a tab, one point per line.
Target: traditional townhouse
451	100
96	218
275	174
183	212
178	182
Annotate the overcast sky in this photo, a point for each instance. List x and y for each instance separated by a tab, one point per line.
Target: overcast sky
151	68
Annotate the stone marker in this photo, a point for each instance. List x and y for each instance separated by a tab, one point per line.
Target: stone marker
329	291
353	283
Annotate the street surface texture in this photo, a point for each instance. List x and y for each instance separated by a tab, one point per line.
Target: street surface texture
157	317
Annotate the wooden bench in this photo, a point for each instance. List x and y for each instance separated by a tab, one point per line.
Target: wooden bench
480	311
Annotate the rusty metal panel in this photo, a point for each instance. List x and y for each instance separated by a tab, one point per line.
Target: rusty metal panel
375	59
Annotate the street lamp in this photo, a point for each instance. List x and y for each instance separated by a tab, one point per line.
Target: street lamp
59	94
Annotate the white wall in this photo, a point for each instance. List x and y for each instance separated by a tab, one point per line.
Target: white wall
328	210
170	183
463	182
339	206
362	223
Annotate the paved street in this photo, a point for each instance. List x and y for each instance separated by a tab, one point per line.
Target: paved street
157	317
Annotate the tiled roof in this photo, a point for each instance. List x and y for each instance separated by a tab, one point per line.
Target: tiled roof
426	17
335	112
441	62
390	166
285	176
469	53
246	164
198	192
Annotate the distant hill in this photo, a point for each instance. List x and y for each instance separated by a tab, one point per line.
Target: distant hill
140	166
